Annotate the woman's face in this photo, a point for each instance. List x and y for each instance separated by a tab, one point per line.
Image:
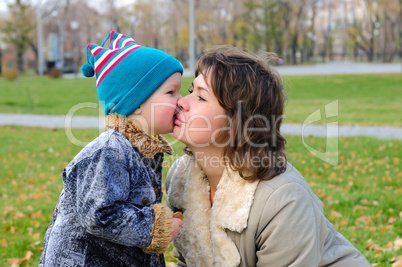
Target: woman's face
201	119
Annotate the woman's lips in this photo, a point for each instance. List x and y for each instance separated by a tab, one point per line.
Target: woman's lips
178	121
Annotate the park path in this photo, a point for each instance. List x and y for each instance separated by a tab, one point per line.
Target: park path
52	121
344	67
341	67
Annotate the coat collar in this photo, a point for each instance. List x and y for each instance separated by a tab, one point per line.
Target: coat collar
203	230
146	145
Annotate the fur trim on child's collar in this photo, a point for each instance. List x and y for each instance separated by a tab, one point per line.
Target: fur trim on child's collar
147	145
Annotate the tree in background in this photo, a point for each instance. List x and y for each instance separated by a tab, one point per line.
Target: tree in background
376	32
298	31
17	30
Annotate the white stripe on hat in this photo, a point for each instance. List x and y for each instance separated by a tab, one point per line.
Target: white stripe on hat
93	51
127	40
104	55
115	41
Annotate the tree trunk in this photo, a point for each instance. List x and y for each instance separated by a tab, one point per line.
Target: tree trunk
400	29
20	58
294	50
1	61
35	50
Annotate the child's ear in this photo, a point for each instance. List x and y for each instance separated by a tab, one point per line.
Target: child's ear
138	111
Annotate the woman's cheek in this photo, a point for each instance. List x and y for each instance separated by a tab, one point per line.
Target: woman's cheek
200	131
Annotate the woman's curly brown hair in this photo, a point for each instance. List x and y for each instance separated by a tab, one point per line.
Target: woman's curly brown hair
252	96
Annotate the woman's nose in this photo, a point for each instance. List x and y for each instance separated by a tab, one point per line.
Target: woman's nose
182	103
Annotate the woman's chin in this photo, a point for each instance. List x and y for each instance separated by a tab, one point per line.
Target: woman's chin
179	135
176	132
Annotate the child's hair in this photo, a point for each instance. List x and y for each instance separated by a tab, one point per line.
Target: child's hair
252	96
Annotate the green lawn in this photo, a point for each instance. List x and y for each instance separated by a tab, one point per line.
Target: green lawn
362	99
361	195
373	99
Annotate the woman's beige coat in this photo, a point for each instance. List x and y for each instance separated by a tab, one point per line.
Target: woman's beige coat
268	223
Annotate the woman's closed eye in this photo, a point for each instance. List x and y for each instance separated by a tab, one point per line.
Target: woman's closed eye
200	97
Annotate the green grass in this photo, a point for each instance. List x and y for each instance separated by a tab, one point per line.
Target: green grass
363	99
373	99
361	195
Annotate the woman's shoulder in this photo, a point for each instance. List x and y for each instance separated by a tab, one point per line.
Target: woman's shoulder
290	176
287	186
285	198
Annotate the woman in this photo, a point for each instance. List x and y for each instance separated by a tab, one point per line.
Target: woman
243	203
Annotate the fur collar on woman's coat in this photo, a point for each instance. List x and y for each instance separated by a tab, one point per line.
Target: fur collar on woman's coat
203	231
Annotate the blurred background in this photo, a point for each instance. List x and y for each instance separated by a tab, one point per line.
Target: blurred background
49	36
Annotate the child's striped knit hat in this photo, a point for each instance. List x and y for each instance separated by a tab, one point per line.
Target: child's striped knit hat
127	74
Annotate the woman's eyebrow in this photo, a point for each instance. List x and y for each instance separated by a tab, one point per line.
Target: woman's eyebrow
200	88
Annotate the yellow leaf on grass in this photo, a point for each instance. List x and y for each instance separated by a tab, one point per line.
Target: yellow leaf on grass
37	195
23	196
364	202
18	215
34	215
397	243
21	155
4	243
13	229
36	236
396	161
344	221
13	260
334	214
365	220
378	253
392	219
372	246
28	255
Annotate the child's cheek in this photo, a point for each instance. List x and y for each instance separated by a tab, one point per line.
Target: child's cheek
164	113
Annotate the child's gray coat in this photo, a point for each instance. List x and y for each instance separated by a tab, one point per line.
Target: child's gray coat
107	214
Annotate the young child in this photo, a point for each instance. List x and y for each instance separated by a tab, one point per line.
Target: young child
109	211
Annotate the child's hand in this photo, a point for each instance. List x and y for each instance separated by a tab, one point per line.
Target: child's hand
176	227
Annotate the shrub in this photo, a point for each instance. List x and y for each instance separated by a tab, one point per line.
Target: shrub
54	73
10	75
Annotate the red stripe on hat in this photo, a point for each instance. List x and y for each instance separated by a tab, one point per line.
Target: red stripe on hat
89	45
106	59
110	39
98	50
118	41
114	64
129	42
